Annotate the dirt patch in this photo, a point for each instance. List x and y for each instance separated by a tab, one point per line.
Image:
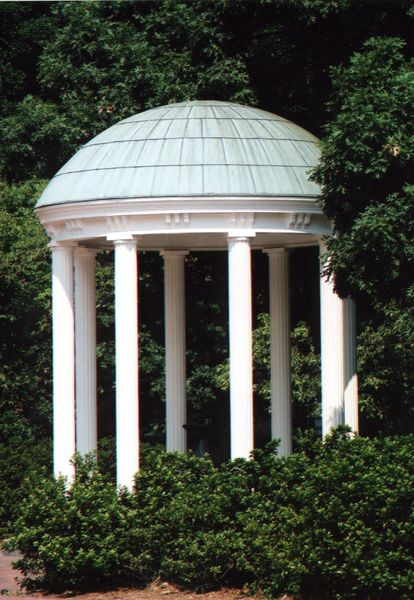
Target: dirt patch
11	590
155	591
159	590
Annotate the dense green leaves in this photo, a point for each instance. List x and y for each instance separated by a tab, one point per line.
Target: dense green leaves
366	173
375	89
106	61
79	67
32	139
23	454
305	364
332	522
25	369
91	514
385	362
24	304
326	529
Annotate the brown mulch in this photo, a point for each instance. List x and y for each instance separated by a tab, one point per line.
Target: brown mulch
159	590
155	591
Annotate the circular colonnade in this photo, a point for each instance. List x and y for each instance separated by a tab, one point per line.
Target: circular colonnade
193	176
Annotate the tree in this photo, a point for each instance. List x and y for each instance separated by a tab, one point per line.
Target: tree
25	306
25	361
366	171
366	174
108	60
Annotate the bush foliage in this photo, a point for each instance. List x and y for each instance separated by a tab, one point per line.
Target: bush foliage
334	521
22	456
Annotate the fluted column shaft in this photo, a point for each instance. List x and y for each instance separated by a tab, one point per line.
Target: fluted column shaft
350	374
338	358
64	445
175	349
85	350
241	363
332	358
126	348
281	416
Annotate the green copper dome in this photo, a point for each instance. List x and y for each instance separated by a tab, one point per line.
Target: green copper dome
197	148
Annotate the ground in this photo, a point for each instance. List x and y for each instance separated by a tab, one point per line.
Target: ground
158	590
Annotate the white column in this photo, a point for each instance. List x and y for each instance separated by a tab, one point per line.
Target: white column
332	358
126	351
281	416
64	446
241	363
350	376
85	350
175	355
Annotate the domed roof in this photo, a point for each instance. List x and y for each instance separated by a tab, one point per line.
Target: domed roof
195	148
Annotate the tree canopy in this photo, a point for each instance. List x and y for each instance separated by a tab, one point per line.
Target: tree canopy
366	173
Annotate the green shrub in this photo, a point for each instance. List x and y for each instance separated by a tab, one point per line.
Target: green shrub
334	521
183	530
22	456
338	526
72	539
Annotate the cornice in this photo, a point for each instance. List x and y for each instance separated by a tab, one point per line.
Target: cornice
163	216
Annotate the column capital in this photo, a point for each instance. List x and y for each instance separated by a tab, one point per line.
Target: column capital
171	253
323	248
69	245
275	251
120	237
240	234
86	252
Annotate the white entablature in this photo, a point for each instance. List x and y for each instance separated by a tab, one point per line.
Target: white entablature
276	221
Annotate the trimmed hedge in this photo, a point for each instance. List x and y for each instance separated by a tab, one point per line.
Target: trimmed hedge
334	521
